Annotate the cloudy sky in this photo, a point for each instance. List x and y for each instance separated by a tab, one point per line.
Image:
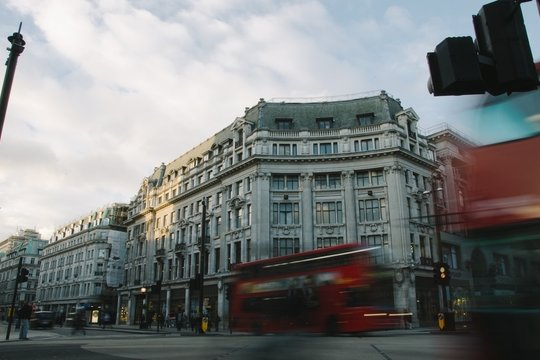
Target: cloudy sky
106	90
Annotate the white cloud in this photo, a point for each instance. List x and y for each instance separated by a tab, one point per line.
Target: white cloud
98	77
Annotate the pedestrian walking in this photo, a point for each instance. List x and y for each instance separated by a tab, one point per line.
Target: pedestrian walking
24	314
78	323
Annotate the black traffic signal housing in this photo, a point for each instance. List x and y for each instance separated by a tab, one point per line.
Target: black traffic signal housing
454	68
501	36
500	61
441	273
23	275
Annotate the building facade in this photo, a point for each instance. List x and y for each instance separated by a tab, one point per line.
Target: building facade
28	246
287	177
82	265
449	198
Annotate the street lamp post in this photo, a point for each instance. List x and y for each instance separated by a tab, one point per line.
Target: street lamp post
17	47
12	309
143	320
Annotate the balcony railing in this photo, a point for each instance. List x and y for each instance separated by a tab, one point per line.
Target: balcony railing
160	252
180	247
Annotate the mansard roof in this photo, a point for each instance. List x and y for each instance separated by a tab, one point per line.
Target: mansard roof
263	115
344	113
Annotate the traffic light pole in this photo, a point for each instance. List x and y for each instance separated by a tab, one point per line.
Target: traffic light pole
12	310
17	47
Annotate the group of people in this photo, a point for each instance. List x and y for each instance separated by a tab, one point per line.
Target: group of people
194	321
24	313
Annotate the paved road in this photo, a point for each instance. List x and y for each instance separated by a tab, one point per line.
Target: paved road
106	345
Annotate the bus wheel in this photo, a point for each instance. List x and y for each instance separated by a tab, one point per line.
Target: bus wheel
332	326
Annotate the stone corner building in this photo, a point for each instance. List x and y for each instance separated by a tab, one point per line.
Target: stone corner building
287	177
82	265
28	245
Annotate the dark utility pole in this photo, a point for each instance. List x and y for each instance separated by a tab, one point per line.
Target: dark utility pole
202	265
17	47
12	310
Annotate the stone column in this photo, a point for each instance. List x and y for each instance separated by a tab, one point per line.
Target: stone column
351	235
261	214
308	237
131	309
187	300
167	303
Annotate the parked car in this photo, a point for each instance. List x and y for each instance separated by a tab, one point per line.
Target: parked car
42	320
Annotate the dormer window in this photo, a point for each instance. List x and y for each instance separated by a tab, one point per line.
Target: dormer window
365	119
284	123
324	123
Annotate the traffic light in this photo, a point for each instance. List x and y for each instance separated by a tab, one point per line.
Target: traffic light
23	275
500	61
501	36
441	273
454	68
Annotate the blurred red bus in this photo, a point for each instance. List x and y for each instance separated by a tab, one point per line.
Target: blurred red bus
332	290
503	223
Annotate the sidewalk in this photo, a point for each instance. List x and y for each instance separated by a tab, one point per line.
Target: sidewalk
173	332
170	331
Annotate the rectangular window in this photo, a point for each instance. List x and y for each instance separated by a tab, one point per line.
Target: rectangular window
218	225
325	148
285	213
372	210
237	252
329	212
248	184
239	187
450	256
324	123
285	149
370	178
229	220
285	246
285	182
377	177
324	242
366	145
284	123
328	181
376	256
238	218
365	119
362	178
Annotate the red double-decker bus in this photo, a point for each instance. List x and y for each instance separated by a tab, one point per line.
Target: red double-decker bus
332	290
